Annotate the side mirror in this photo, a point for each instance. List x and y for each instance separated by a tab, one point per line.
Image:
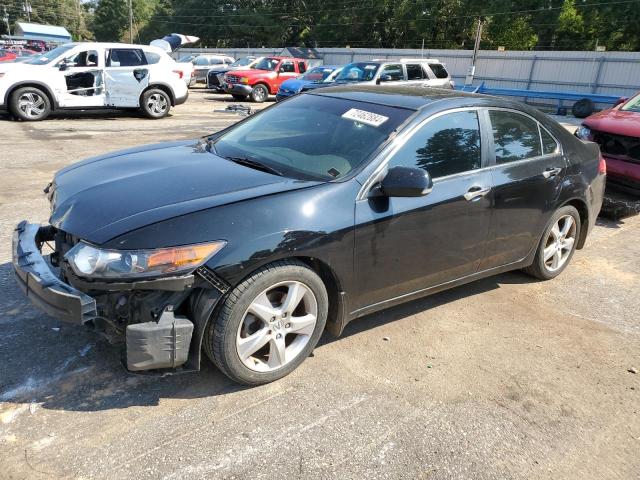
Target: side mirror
406	182
383	78
63	66
620	101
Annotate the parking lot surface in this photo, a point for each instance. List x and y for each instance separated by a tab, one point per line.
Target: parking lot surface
503	378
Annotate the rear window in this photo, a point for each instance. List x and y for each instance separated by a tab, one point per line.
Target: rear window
515	136
152	57
438	70
414	72
126	57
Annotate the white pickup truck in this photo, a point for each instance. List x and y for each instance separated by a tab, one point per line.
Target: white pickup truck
85	76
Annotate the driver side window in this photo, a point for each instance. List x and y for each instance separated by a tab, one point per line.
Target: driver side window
393	71
447	145
287	67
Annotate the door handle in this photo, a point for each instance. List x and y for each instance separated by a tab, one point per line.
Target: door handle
551	172
475	193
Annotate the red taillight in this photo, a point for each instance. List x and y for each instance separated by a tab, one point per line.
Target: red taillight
179	72
602	166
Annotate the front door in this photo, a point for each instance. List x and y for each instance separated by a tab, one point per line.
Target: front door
83	80
404	245
286	70
527	177
126	76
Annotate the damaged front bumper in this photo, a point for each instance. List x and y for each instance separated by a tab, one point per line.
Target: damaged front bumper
41	285
156	336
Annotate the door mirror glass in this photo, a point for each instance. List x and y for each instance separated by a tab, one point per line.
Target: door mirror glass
63	65
406	182
384	78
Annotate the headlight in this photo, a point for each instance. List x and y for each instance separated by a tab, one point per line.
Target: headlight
92	262
584	133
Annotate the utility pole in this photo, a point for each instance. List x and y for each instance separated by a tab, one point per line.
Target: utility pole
6	19
130	21
26	8
472	69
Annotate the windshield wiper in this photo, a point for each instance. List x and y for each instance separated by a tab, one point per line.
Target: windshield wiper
248	162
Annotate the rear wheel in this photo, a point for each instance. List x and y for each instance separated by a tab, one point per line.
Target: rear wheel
30	104
268	324
155	103
557	245
259	93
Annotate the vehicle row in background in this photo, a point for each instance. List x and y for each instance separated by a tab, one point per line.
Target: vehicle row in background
92	76
285	76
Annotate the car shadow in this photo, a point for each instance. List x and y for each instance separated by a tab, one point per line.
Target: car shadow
88	115
72	368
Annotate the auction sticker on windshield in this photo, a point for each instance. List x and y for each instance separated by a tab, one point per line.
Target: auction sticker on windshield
365	117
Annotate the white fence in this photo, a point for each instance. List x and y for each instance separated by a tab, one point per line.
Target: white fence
607	73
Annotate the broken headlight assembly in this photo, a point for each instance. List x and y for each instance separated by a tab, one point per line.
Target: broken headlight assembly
96	263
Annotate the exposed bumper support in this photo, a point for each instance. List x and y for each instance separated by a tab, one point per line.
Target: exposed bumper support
37	280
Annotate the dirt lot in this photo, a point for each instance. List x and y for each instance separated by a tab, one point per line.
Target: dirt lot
502	378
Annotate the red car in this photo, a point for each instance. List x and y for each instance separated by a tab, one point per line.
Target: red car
7	56
264	78
617	131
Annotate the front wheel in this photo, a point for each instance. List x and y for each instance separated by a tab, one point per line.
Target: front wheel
155	103
30	104
557	245
259	93
268	324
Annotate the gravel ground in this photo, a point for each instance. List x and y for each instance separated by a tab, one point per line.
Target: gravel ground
503	378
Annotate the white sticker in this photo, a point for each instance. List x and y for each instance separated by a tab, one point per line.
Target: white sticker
363	116
370	67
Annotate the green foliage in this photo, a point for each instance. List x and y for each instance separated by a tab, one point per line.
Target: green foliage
514	24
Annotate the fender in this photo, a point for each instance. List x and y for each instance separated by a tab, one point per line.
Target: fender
32	83
164	86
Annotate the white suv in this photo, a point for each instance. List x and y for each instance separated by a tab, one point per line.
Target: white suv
92	76
427	72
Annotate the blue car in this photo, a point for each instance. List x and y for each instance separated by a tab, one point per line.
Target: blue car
321	74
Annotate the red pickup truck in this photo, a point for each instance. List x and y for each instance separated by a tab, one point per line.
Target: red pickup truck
264	78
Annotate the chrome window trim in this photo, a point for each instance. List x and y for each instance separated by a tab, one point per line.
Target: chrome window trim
404	138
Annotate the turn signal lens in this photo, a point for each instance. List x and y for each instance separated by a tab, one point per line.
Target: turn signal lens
183	256
602	166
179	72
244	79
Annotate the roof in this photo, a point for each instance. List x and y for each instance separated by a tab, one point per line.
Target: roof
40	31
413	97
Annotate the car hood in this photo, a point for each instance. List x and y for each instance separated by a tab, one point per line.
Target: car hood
19	66
615	121
294	84
104	197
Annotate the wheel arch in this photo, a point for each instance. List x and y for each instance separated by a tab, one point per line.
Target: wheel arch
160	86
35	84
583	210
264	84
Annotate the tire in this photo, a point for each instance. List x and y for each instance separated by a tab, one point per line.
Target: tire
583	108
259	93
239	98
30	104
155	103
545	269
234	322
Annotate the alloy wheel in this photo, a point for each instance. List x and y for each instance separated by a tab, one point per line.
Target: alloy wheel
157	103
277	326
260	94
560	242
32	105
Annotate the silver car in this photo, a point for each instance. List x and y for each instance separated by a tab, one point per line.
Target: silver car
427	72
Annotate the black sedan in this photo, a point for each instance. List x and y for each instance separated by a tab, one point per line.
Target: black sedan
249	243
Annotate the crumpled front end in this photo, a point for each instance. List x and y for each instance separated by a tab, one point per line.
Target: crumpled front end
154	318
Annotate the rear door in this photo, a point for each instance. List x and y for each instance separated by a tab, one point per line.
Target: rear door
527	176
126	76
438	75
404	245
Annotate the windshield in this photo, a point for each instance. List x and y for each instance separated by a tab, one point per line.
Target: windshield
317	74
358	72
311	136
49	56
632	105
242	62
267	63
